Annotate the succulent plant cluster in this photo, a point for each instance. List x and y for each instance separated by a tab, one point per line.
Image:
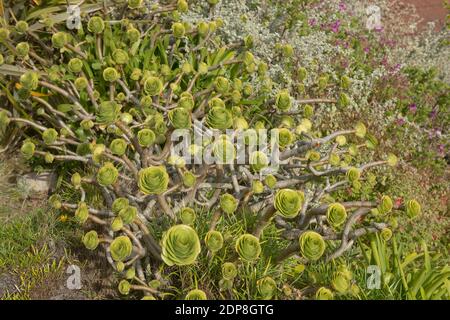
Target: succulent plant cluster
108	98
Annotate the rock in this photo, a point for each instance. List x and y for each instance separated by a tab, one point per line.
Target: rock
35	184
8	284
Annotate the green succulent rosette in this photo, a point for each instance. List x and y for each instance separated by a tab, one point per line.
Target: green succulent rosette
75	65
21	26
107	175
336	214
120	56
118	147
219	118
4	121
180	246
128	214
392	160
81	83
182	6
324	294
178	30
117	224
216	102
229	271
187	216
353	174
49	136
196	294
153	180
386	234
224	150
121	248
189	179
82	213
29	80
258	161
360	130
22	49
386	205
146	137
312	155
283	101
180	118
312	245
257	187
267	288
222	85
270	181
55	201
340	283
186	101
28	149
341	140
90	240
111	74
334	159
288	202
76	180
228	203
248	247
153	86
413	208
214	240
124	287
119	204
108	112
96	25
60	39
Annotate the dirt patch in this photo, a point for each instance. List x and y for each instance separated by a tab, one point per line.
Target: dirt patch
8	284
430	10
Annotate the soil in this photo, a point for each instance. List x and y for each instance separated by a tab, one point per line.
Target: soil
430	10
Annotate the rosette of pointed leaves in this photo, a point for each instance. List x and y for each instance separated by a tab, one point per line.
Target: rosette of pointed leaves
128	214
248	247
118	146
187	216
219	118
108	112
283	101
153	180
153	86
267	287
214	240
90	240
146	137
82	212
312	245
180	246
49	136
258	161
413	208
96	25
229	271
180	118
121	248
324	294
196	294
288	202
228	203
107	175
336	214
224	150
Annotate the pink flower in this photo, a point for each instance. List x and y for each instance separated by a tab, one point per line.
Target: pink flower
335	26
342	7
413	108
400	121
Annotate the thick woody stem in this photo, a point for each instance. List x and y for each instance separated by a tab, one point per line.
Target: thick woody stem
264	220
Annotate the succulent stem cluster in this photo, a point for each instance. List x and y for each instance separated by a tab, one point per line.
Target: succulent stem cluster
108	98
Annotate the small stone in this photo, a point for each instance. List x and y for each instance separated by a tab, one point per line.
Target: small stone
35	184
